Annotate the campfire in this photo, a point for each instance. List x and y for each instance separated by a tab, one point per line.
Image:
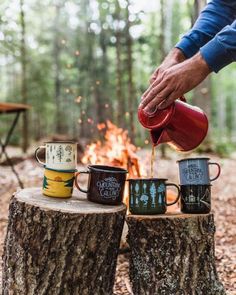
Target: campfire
115	150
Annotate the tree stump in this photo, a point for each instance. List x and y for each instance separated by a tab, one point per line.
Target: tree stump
173	254
60	246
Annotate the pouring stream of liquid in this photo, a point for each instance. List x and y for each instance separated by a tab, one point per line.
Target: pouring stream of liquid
152	161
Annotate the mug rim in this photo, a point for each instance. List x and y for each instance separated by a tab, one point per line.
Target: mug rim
194	185
61	141
101	168
196	158
149	179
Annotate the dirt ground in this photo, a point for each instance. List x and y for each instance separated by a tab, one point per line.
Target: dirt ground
223	206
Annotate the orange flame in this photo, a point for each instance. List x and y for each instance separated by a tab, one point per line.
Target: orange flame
116	150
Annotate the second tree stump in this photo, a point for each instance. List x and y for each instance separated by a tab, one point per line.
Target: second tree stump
173	255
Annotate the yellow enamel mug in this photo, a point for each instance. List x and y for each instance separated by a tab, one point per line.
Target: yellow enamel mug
58	184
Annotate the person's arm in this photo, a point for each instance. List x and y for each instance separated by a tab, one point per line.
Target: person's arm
183	77
221	50
215	16
214	54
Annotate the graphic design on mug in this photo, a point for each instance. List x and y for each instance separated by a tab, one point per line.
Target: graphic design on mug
148	196
131	194
58	184
144	197
136	194
193	173
191	199
206	199
60	153
68	149
109	188
153	194
161	193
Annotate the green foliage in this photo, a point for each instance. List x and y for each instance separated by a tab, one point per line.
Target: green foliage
224	149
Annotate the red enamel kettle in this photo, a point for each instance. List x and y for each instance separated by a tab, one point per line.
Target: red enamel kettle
180	125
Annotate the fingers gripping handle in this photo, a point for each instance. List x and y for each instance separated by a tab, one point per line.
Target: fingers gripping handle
77	181
36	154
177	198
218	172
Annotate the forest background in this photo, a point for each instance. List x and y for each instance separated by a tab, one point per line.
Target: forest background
81	62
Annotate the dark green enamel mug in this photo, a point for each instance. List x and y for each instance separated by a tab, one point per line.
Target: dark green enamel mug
148	196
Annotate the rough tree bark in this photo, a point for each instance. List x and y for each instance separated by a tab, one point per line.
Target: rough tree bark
173	254
60	246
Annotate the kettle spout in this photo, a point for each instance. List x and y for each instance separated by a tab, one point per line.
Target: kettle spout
159	136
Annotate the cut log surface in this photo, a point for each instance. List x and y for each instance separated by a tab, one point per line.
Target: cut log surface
60	246
173	254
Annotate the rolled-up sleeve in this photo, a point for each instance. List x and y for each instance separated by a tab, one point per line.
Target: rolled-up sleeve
218	14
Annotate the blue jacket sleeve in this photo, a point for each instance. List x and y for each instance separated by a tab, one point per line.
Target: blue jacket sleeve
216	15
221	50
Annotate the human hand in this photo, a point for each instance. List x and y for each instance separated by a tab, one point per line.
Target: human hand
174	57
174	82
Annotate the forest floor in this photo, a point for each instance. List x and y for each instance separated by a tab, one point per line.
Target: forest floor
223	206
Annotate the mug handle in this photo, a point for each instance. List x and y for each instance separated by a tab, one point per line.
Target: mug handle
36	154
176	200
218	173
76	181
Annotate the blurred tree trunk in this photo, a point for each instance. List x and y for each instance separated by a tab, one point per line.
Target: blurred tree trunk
131	90
102	77
202	93
57	81
221	116
91	92
162	53
119	96
24	94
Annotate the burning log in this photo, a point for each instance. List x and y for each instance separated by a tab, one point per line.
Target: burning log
66	246
173	254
